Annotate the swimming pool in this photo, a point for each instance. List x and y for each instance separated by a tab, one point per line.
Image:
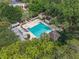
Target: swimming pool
39	29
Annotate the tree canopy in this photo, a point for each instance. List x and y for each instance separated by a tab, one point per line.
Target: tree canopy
63	12
13	14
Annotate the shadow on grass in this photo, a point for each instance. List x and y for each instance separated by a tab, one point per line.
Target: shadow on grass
64	37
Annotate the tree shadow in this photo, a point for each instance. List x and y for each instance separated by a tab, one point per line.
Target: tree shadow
63	38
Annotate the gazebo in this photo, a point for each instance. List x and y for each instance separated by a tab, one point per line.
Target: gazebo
54	35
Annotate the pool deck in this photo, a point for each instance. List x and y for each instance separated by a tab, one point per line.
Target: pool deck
21	33
29	24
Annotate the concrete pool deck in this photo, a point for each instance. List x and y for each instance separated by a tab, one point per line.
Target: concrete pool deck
18	30
26	26
31	24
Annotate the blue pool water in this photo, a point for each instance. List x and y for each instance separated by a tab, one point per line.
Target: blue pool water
39	29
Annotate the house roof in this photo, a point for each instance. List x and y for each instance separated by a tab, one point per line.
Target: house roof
14	1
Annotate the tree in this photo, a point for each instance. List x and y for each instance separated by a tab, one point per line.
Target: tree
2	6
6	36
13	14
72	13
5	1
36	7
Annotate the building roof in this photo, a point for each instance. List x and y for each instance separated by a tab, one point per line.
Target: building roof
15	1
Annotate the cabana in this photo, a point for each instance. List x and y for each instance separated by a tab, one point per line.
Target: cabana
54	35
